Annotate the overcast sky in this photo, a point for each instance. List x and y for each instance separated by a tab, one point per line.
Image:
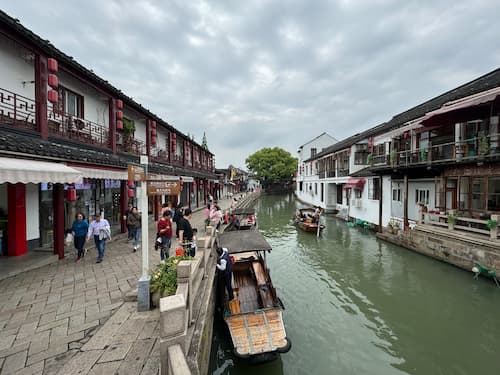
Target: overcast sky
255	74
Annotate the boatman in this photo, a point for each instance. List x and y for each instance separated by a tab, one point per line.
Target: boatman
225	267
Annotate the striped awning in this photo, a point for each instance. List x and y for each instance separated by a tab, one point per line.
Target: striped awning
33	171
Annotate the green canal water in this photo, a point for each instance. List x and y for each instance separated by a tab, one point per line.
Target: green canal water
358	305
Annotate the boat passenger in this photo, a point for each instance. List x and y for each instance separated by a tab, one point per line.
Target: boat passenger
225	266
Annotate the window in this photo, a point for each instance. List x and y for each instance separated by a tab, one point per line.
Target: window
69	102
361	155
478	191
374	188
357	193
494	193
396	194
340	191
313	152
300	186
422	196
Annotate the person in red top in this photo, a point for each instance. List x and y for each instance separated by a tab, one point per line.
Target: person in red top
165	233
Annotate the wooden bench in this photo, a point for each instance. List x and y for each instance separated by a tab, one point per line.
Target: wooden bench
260	276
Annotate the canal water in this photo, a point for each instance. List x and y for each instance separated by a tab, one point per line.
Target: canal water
358	305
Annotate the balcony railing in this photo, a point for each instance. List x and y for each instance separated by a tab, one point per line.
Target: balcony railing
130	145
17	110
159	155
67	126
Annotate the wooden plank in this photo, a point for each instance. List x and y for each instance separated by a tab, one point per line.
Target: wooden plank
259	273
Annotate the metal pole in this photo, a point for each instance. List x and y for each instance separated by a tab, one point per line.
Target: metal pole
143	293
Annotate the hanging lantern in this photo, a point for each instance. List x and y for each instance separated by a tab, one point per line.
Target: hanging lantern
52	96
119	115
406	135
52	65
153	124
119	124
130	184
52	80
153	140
131	193
119	104
71	195
153	131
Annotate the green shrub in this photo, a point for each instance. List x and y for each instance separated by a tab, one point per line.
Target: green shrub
164	277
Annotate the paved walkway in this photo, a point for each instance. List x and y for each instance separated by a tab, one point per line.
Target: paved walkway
51	317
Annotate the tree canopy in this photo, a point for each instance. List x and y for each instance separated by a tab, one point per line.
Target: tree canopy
272	165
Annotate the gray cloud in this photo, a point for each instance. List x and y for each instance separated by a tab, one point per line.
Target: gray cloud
259	74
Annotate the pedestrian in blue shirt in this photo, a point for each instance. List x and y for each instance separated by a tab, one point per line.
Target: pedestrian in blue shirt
79	230
101	230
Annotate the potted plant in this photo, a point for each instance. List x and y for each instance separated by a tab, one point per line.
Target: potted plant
164	279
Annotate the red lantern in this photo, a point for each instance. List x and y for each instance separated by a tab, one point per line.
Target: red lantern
153	140
52	80
181	183
130	184
153	124
174	144
52	96
71	195
119	115
153	131
131	193
119	104
119	124
52	65
406	135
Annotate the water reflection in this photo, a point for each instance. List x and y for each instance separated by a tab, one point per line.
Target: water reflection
359	305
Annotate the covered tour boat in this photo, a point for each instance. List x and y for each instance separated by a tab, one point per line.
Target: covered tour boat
307	219
242	219
254	316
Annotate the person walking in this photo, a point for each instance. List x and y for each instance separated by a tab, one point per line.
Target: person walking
125	218
216	217
101	230
164	229
134	222
178	214
225	267
79	230
185	231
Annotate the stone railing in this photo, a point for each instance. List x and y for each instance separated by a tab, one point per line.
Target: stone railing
177	311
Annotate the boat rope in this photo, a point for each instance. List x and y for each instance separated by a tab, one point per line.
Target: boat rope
250	341
269	334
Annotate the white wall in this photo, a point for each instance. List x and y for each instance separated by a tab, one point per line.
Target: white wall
386	200
369	207
95	104
16	66
420	185
32	214
397	206
161	138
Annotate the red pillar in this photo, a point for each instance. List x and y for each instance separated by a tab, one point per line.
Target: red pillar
41	95
58	202
112	125
123	205
16	195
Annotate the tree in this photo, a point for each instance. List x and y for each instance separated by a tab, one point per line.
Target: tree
272	165
204	142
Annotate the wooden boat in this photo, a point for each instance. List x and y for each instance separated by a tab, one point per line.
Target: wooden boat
254	316
304	219
242	219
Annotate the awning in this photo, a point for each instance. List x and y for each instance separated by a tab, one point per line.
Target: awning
355	183
187	179
485	97
33	171
104	174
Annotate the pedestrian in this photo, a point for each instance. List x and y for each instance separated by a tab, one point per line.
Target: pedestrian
125	217
101	230
194	245
164	229
79	230
225	267
216	217
185	231
134	222
178	214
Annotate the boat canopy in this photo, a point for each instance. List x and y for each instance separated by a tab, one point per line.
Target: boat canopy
242	241
244	211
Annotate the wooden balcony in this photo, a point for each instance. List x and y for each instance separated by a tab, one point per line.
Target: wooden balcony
17	110
130	145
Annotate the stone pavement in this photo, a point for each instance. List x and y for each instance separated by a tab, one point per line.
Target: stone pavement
53	319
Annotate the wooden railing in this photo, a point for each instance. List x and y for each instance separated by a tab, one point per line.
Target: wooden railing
67	126
17	110
464	224
130	145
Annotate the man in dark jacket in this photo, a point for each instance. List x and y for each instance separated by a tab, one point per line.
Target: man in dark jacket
225	266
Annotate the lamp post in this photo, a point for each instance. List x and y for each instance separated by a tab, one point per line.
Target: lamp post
143	292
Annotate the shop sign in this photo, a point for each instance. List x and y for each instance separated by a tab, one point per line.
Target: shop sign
163	187
135	173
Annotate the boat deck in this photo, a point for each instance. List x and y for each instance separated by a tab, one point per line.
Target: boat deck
257	332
